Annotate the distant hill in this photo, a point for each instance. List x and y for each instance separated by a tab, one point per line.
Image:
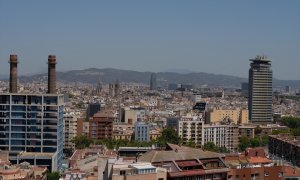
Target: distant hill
108	75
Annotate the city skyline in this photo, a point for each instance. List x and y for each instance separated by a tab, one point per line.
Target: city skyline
152	36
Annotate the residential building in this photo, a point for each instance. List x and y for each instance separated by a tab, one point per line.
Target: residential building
70	129
192	129
237	116
260	90
222	135
23	171
253	164
133	114
172	122
101	125
138	170
286	147
141	132
187	163
247	130
83	127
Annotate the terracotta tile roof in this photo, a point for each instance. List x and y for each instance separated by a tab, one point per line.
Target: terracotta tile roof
252	152
258	160
187	173
160	156
187	163
291	171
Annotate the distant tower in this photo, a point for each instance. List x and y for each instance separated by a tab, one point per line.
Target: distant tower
153	85
111	90
99	87
114	89
260	90
117	88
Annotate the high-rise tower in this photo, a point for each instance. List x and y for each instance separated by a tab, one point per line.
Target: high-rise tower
260	90
153	85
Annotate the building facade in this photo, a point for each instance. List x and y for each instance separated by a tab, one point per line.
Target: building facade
260	90
141	132
286	147
192	129
70	127
32	123
238	116
101	125
92	109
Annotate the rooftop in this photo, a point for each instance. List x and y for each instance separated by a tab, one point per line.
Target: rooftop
260	58
177	153
295	140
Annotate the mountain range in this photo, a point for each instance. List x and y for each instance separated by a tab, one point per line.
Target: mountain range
108	75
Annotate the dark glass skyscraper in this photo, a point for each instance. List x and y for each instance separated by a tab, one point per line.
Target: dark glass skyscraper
153	85
260	90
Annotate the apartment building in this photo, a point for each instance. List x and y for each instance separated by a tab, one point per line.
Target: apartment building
70	127
237	116
141	131
193	129
101	125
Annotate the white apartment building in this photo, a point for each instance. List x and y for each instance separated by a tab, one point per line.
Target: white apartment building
193	129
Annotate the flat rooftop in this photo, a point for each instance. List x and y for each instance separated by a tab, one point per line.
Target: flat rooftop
36	154
295	140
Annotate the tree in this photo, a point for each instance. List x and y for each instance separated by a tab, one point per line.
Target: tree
209	146
244	143
81	142
191	143
264	140
257	130
255	142
296	132
293	123
167	136
53	175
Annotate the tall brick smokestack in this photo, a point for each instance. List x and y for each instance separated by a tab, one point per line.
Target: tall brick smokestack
13	78
51	74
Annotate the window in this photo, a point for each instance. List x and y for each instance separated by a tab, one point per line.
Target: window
266	173
122	172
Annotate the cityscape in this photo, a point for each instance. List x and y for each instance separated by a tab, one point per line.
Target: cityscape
115	123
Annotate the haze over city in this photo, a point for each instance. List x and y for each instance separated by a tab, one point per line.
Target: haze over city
199	36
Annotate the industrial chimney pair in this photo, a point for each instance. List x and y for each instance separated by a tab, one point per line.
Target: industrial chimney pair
13	86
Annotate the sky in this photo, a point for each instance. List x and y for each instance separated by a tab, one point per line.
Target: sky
202	36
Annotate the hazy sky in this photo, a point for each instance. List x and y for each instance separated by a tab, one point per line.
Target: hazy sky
204	36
